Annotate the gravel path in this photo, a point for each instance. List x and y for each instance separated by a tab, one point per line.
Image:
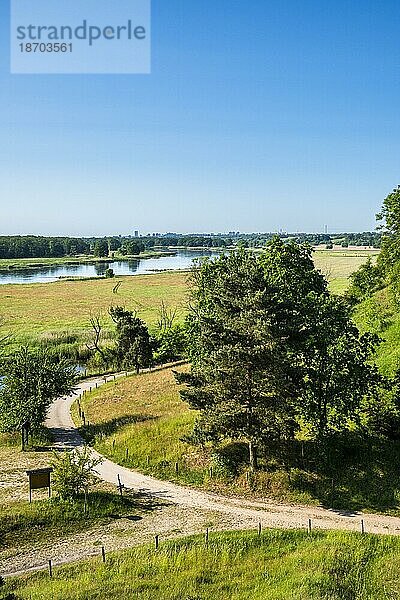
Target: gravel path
271	514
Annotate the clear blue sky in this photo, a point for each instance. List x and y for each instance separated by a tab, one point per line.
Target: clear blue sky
257	116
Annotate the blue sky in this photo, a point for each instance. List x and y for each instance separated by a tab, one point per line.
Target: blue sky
257	116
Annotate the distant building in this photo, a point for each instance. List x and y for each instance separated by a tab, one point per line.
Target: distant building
136	234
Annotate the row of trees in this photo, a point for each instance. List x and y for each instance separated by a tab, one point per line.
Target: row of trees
188	241
12	247
272	350
104	247
41	247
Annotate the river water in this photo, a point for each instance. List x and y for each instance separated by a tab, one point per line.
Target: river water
181	261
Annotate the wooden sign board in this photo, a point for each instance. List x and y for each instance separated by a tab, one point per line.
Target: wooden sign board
39	479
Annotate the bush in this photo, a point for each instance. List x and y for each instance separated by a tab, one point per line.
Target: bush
74	472
171	344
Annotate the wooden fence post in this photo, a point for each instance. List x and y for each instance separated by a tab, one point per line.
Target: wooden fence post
120	485
259	528
309	525
362	526
50	569
103	554
156	541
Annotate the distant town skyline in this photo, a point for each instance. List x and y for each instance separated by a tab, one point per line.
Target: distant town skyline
165	234
260	116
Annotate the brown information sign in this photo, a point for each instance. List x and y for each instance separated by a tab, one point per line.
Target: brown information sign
38	479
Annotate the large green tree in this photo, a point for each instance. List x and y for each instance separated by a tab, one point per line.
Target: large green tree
134	344
32	380
268	348
101	248
338	370
247	326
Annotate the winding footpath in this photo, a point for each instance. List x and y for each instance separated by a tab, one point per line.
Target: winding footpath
246	513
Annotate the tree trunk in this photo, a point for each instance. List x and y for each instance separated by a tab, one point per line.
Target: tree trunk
253	456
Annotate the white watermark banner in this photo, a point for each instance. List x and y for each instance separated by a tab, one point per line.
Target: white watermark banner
80	36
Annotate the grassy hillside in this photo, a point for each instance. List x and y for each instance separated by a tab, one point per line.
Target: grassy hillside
277	565
140	422
144	415
379	315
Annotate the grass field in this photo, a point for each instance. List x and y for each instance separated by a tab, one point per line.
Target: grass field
139	422
145	415
338	265
278	565
58	313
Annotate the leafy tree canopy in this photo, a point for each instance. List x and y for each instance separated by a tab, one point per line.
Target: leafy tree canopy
270	345
390	218
134	343
32	380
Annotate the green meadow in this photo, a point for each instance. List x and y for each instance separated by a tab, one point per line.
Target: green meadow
58	313
277	565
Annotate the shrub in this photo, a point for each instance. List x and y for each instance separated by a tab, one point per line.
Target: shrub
74	472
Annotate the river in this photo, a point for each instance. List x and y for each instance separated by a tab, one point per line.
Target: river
181	261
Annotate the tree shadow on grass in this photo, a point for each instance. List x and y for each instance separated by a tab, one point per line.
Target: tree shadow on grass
346	473
52	519
121	507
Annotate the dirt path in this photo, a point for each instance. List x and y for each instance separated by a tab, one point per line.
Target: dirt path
269	513
179	510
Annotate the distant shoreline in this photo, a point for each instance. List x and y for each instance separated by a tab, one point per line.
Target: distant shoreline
22	264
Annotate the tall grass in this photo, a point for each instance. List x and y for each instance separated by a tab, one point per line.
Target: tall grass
278	565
